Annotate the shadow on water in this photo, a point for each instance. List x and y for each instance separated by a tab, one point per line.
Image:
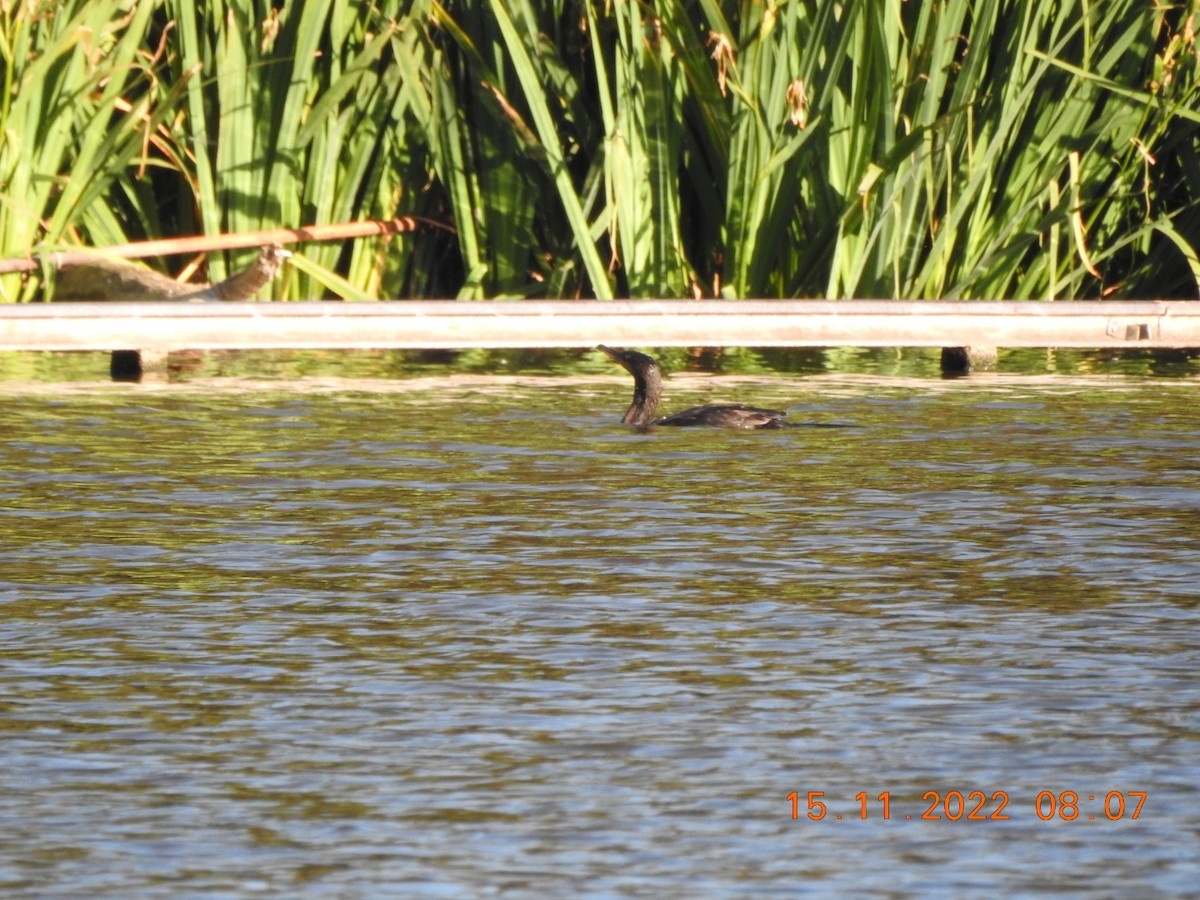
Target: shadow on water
460	636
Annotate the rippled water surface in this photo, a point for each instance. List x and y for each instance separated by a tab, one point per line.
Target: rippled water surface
473	638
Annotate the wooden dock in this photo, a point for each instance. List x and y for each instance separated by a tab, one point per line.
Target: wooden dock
160	327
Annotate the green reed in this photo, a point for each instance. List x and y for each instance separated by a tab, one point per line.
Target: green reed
761	148
80	101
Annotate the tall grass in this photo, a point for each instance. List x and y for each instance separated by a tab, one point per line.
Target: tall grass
297	119
81	99
773	148
1004	163
950	149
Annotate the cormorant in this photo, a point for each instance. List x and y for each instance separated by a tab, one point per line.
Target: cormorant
647	389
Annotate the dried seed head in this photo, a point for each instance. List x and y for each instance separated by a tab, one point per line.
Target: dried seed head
723	55
797	98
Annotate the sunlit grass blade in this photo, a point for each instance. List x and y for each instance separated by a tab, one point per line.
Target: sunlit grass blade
335	283
532	88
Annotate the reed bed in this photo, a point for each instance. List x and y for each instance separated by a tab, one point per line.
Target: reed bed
577	148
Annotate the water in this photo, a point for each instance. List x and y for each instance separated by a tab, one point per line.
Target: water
470	637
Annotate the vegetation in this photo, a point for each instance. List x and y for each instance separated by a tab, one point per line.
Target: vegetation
670	148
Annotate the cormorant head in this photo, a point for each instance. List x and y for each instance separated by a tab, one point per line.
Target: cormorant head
639	365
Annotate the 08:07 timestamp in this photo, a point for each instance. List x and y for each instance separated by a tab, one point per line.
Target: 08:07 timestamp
978	806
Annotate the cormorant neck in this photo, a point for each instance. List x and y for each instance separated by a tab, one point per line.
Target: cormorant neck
647	390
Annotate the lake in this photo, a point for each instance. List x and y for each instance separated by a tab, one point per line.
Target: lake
470	636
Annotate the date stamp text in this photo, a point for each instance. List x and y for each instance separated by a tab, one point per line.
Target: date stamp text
972	806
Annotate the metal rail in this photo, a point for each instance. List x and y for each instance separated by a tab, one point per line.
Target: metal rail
159	327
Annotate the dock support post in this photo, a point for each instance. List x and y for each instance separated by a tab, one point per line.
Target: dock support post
964	360
138	365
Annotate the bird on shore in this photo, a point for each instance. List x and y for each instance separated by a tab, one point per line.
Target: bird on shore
647	391
105	279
